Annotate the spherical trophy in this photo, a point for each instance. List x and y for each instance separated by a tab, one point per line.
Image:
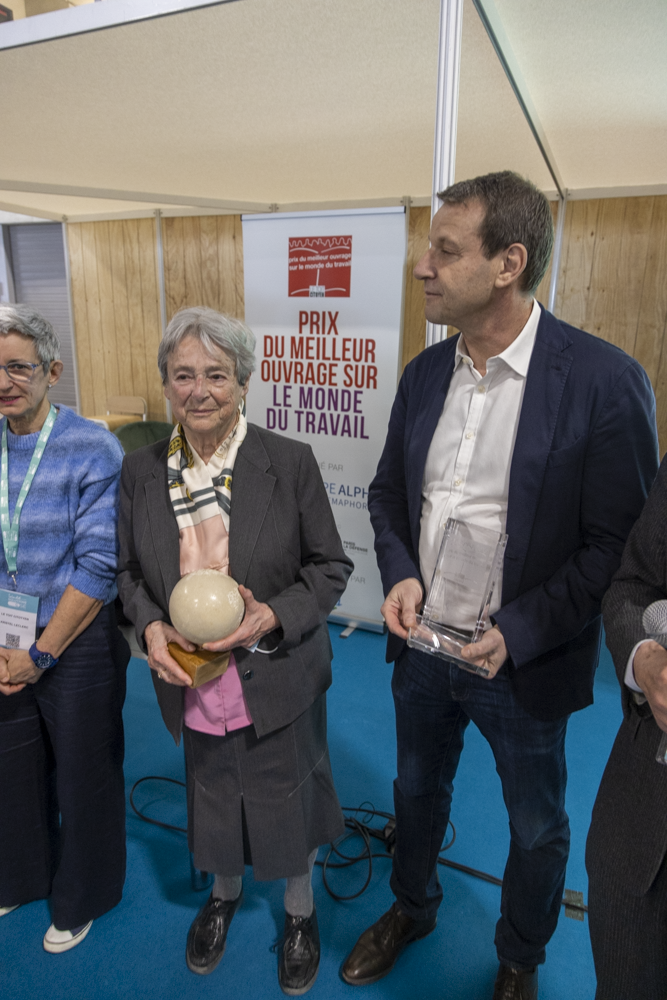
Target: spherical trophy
204	606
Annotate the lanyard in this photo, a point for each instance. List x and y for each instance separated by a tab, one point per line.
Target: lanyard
10	529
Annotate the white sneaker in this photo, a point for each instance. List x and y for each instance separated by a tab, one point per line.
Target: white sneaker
56	941
8	909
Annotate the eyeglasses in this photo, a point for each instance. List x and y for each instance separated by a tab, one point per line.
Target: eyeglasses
186	381
20	371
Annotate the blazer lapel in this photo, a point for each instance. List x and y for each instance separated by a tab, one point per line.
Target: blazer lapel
545	383
164	530
429	410
252	488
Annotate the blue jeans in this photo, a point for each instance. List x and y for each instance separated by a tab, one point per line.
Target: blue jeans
435	701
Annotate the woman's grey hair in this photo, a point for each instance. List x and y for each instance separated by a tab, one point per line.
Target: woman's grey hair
29	323
213	329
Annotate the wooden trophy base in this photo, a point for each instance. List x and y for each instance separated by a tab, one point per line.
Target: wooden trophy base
202	665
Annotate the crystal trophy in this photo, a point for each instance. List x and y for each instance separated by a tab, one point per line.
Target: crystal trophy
457	606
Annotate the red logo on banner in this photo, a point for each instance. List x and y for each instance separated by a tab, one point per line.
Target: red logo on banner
320	266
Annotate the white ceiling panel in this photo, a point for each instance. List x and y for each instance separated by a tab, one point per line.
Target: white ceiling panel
325	101
597	73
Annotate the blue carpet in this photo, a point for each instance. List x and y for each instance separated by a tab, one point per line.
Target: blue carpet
137	950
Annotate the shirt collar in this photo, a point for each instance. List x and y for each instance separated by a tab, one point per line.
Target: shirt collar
517	355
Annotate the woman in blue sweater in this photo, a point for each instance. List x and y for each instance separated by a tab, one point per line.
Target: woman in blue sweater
62	673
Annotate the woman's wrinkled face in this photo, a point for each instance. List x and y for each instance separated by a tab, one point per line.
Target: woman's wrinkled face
203	389
21	399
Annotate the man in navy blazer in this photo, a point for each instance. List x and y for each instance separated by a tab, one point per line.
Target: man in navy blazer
525	425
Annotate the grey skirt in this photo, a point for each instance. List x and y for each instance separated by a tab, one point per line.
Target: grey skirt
265	802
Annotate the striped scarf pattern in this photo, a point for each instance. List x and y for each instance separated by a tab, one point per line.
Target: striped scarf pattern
199	491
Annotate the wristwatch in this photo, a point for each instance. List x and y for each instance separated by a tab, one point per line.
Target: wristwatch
41	659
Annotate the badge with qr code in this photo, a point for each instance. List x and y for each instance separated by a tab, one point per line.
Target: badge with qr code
18	619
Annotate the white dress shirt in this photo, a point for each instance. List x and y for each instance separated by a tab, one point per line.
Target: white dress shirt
630	679
467	469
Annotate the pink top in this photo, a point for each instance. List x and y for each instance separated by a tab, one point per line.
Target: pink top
219	705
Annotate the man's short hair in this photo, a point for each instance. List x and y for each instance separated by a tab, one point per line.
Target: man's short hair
516	212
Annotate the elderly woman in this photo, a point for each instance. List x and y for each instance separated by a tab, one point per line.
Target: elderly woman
62	674
229	495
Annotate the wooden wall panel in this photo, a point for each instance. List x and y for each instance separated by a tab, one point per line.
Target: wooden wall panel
81	338
146	362
174	265
116	312
414	323
652	328
204	263
619	261
577	261
542	291
614	281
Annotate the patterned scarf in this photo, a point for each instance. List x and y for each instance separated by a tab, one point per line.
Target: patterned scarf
199	491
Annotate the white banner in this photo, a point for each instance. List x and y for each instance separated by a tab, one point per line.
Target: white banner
323	294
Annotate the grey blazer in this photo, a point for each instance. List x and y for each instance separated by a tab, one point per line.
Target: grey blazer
629	831
283	545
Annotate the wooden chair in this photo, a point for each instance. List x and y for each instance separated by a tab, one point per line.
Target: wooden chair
121	410
127	404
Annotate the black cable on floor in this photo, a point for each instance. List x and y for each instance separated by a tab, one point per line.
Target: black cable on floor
147	819
386	835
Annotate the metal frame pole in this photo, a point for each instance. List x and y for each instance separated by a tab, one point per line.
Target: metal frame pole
446	116
493	25
70	304
9	270
556	255
162	291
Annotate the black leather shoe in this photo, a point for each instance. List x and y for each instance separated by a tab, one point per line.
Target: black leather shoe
376	951
515	984
300	954
208	934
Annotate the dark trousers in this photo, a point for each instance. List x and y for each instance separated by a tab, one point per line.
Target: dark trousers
435	701
627	869
629	938
62	800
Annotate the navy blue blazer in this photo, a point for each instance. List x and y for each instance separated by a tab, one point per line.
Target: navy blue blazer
585	456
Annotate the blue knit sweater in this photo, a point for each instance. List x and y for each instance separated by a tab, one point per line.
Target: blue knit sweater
68	526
